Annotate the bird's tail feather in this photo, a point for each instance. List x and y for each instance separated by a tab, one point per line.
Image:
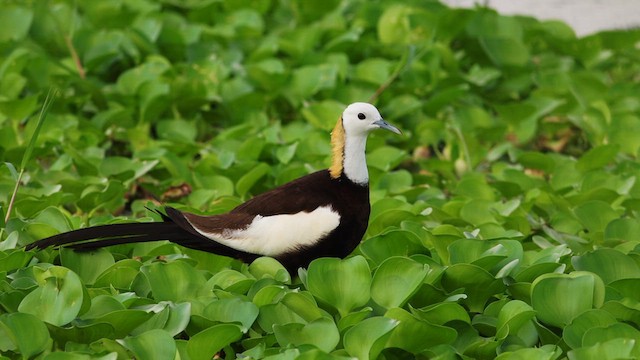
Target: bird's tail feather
106	235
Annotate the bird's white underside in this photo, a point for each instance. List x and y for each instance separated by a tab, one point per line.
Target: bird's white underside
279	234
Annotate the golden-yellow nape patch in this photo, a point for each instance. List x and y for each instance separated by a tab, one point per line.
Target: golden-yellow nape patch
337	150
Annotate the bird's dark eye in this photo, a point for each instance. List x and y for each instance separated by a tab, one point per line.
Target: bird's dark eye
362	116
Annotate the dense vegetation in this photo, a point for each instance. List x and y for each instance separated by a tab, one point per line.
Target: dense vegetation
505	220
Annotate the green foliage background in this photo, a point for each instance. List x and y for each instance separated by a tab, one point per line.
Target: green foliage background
504	223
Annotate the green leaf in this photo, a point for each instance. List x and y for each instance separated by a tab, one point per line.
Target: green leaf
367	339
267	267
443	312
416	336
16	20
546	352
612	349
550	301
395	280
478	284
89	266
23	333
505	51
512	317
595	215
618	330
342	284
153	344
174	281
207	343
597	157
609	264
58	297
321	333
232	310
246	182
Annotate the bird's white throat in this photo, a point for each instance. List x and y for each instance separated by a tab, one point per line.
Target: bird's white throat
354	161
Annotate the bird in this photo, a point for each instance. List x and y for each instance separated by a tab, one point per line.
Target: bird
322	214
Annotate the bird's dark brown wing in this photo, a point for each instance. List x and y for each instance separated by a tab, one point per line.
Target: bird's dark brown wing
303	194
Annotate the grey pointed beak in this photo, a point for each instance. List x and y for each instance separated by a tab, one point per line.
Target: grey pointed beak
385	125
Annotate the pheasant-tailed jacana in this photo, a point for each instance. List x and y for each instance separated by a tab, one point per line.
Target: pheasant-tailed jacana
321	214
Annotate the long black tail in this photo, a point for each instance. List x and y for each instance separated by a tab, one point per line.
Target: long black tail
175	228
106	235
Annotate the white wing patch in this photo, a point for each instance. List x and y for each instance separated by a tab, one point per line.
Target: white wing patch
277	234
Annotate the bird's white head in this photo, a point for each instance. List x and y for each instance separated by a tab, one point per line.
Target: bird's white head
360	118
349	138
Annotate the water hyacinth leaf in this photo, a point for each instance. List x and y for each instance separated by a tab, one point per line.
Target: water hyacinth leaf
478	284
622	230
321	333
573	333
173	319
395	280
277	314
554	307
393	243
230	280
546	352
609	264
82	334
512	317
303	304
488	254
595	215
395	182
124	321
415	335
597	157
207	343
24	334
232	310
269	293
153	344
58	297
530	273
609	350
11	260
88	265
618	330
174	281
18	19
625	310
343	284
385	158
505	51
307	80
269	267
319	113
373	70
353	318
443	312
120	275
367	339
246	182
624	288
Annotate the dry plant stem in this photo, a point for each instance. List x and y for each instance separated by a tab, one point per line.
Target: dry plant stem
13	196
75	57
